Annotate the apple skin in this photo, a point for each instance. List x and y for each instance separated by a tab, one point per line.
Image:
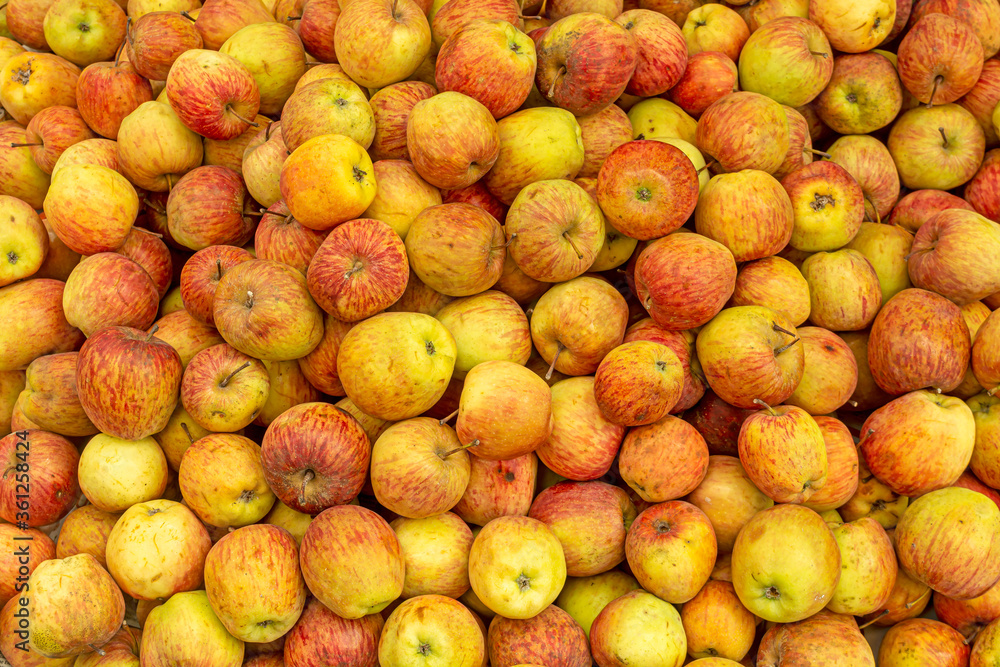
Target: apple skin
982	191
871	164
253	582
121	651
458	634
762	373
366	554
54	592
22	178
140	465
212	93
24	240
156	39
436	551
985	360
498	488
379	42
868	568
551	637
987	646
983	98
91	208
260	165
709	76
842	466
34	81
728	497
658	472
826	638
717	624
887	247
956	254
321	637
327	106
638	382
960	558
630	629
923	641
845	294
772	439
908	599
917	207
109	289
223	389
185	334
590	519
828	206
263	308
764	148
682	343
320	365
710	28
776	283
157	166
206	208
84	530
918	339
152	254
925	159
279	236
864	94
107	92
683	280
488	326
728	204
788	59
855	29
54	129
185	628
392	106
969	617
764	559
128	382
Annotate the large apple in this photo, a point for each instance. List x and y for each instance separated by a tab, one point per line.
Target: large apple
824	639
38	486
722	132
156	39
956	253
728	204
91	208
207	207
212	93
498	488
157	165
638	628
221	478
658	471
109	289
789	59
433	625
115	474
380	42
937	147
728	497
185	628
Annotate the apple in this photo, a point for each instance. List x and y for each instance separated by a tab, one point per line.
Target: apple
845	294
709	76
263	309
825	638
23	22
128	382
638	628
147	250
218	20
924	640
392	106
908	599
274	73
553	636
583	443
767	367
956	63
784	453
730	201
185	334
873	498
397	31
919	206
54	129
662	51
91	208
263	156
728	497
322	204
223	389
186	628
764	148
368	560
602	133
828	206
638	382
206	207
212	93
259	559
863	95
868	568
958	559
54	593
88	301
487	326
583	598
789	59
320	366
969	617
121	651
432	625
316	27
887	247
933	158
436	551
51	400
981	191
327	106
657	117
156	39
200	278
281	237
156	166
40	485
947	252
983	98
30	82
717	624
320	635
856	28
555	230
871	164
657	471
985	361
221	478
498	488
536	144
401	196
842	479
115	474
517	566
84	530
918	339
24	241
85	31
609	48
715	29
775	283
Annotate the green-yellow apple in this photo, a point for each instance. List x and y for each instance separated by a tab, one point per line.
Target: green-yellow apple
927	157
887	248
115	474
85	31
638	628
830	372
789	59
908	599
538	144
22	177
401	195
431	630
289	387
498	488
873	498
85	530
283	516
58	592
958	558
186	629
987	646
786	564
23	240
551	637
715	28
262	158
729	203
487	326
922	641
985	461
828	206
671	549
517	566
664	460
892	437
845	294
776	283
729	498
764	148
276	69
504	411
717	624
157	549
91	208
436	551
590	519
396	365
221	478
657	117
254	584
868	568
854	28
180	433
863	95
419	468
583	598
824	639
351	561
380	42
327	106
156	165
30	82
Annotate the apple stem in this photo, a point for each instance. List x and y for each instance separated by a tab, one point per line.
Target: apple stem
306	478
187	431
766	407
707	166
822	154
293	18
128	35
188	17
992	391
776	327
910	605
118	53
820	53
153	205
448	418
937	80
27	145
218	267
853	404
579	255
96	649
972	637
555	81
254	214
152	332
267	131
225	382
251	123
785	347
559	348
944	137
507	244
880	615
474	443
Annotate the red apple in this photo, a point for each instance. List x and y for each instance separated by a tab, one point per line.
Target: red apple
729	203
279	236
552	637
212	93
156	39
983	191
40	485
498	488
106	92
108	289
200	278
722	134
954	65
36	323
957	255
50	397
207	207
54	129
663	52
709	76
320	636
392	106
380	42
658	471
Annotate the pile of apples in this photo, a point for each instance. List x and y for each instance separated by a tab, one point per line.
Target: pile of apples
487	332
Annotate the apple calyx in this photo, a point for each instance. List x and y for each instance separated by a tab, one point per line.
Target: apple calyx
225	382
767	407
424	649
474	443
559	348
523	582
359	173
820	202
772	593
447	419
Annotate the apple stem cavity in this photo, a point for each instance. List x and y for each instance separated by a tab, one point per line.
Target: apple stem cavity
880	615
474	443
972	636
152	332
225	382
559	348
448	418
249	301
930	103
153	205
579	255
766	407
